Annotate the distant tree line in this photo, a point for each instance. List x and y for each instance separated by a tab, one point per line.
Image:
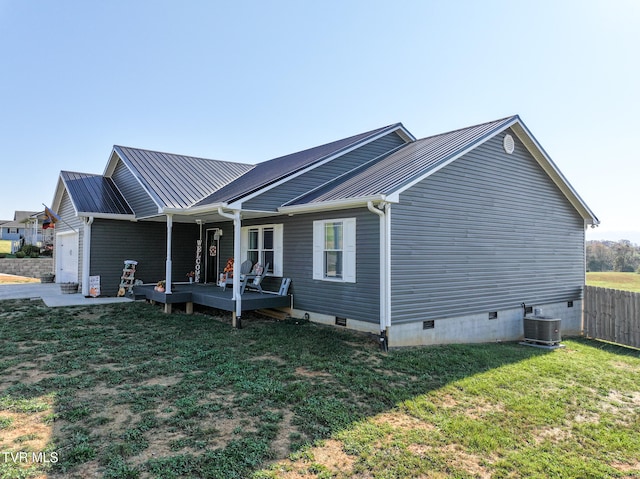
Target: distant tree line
623	256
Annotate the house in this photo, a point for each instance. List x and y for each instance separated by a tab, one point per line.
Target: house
25	228
425	241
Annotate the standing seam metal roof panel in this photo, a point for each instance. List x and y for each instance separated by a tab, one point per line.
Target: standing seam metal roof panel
179	181
95	194
401	167
270	171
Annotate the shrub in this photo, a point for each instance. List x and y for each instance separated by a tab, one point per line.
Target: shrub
3	255
30	249
20	254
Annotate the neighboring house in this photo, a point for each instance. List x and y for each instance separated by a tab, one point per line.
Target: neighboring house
25	228
438	240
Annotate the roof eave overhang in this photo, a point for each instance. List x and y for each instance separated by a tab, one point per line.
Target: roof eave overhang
107	216
193	210
344	203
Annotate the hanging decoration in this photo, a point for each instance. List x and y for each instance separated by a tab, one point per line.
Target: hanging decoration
198	260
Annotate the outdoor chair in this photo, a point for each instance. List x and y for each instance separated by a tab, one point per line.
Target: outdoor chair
245	268
254	278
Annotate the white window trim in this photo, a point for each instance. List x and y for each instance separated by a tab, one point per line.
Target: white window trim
348	250
277	245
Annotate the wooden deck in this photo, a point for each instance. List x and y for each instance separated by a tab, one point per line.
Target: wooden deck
212	296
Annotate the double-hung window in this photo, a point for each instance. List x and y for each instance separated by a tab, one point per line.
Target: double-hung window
334	250
263	244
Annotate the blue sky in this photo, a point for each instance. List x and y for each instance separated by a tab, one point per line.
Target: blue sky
251	80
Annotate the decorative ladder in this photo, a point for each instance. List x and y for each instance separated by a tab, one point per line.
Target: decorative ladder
128	277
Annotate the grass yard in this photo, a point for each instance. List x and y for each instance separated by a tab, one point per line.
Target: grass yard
614	280
125	391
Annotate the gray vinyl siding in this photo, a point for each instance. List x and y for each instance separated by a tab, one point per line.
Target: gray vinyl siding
487	232
360	300
69	222
141	203
300	185
113	242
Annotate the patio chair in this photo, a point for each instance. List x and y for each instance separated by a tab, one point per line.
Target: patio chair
245	268
254	278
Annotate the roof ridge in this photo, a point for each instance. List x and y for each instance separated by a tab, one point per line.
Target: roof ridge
356	139
500	120
181	154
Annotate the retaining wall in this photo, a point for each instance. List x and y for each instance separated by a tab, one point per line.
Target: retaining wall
29	267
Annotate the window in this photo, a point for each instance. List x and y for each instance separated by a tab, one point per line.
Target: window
334	250
13	231
263	244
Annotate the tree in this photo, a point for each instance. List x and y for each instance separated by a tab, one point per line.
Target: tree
626	257
608	255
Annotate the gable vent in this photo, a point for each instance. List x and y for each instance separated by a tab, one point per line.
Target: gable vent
509	144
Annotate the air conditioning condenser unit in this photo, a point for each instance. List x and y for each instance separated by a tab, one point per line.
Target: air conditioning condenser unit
542	330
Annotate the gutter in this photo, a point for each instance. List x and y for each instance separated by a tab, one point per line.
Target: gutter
333	204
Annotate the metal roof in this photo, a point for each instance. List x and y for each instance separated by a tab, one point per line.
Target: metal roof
400	168
95	194
178	181
269	172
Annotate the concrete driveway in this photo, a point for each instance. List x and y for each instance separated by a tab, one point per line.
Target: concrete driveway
51	295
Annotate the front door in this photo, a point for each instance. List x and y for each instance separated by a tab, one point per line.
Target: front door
211	248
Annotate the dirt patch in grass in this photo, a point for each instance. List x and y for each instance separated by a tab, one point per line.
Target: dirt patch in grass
472	464
13	279
400	420
328	459
306	373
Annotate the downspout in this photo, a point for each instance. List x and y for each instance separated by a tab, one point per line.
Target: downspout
237	297
384	329
86	255
168	266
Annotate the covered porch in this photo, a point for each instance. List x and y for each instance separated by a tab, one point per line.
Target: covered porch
212	296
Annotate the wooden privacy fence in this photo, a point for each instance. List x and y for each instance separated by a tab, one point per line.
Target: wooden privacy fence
612	315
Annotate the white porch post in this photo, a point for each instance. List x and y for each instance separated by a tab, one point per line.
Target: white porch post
86	255
168	263
237	229
237	236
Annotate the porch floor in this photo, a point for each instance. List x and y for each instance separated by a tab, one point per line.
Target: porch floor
212	296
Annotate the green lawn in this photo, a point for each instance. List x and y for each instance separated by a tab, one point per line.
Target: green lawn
125	391
614	280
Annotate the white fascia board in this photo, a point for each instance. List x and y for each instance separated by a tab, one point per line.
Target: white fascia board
106	216
396	194
550	168
59	200
111	164
193	210
405	133
57	196
332	205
